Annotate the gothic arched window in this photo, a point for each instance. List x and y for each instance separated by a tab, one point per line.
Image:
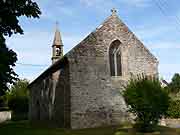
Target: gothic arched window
115	58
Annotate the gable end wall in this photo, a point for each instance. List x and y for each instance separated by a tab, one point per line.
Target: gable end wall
95	95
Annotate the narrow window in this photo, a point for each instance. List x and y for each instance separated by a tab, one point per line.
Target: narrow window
37	110
115	58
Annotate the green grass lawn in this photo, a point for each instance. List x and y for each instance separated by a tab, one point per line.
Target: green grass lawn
23	128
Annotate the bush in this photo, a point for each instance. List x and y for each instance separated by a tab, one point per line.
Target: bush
19	104
174	109
3	103
147	100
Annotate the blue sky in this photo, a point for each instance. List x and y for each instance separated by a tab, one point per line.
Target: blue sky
155	22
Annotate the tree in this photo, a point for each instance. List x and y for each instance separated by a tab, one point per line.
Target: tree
10	12
174	86
19	89
147	100
18	97
8	59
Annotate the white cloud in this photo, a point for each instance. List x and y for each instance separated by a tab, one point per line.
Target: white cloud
154	37
99	5
165	45
114	3
52	10
153	31
168	70
38	44
138	3
32	47
90	2
35	48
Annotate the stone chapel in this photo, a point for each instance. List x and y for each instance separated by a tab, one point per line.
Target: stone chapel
82	88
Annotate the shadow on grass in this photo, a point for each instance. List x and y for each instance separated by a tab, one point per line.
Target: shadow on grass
160	130
26	128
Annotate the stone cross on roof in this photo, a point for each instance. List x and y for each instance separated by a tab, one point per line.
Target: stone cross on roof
114	11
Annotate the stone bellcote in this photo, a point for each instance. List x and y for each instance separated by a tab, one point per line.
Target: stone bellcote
57	47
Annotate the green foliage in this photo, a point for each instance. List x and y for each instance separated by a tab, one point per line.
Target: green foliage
18	99
10	12
19	104
174	109
174	90
19	89
3	103
174	86
147	100
8	59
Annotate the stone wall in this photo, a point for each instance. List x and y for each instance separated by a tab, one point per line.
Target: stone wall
50	96
96	96
40	100
61	113
5	116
